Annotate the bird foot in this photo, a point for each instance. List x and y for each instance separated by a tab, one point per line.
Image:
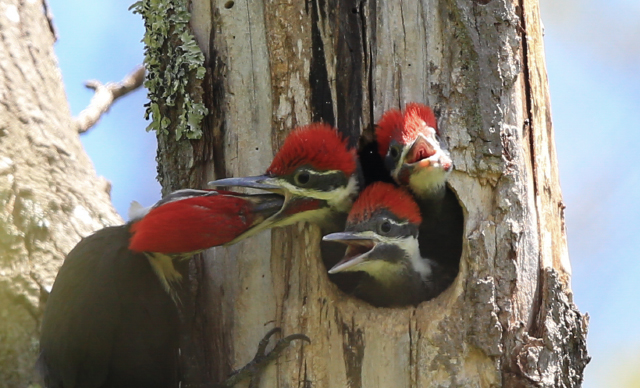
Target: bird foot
254	368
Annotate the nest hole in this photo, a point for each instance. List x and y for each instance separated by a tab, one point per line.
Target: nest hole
440	238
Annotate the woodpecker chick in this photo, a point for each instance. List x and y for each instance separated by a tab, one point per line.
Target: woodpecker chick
409	144
382	238
315	171
111	319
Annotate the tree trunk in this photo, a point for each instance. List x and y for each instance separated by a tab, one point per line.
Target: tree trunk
50	195
508	319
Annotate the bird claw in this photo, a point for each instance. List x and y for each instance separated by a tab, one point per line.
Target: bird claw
253	369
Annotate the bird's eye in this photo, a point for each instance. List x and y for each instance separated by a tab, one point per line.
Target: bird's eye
385	227
394	152
302	177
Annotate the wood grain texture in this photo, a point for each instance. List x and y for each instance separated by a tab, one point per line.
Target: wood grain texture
508	319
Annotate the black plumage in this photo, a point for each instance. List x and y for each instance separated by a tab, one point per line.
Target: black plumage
440	233
124	330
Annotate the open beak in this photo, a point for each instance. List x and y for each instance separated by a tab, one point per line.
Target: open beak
360	246
424	154
265	206
290	204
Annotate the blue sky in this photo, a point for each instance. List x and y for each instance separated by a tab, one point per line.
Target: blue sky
593	60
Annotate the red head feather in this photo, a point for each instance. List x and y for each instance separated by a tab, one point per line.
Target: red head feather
318	145
404	128
191	224
380	195
390	123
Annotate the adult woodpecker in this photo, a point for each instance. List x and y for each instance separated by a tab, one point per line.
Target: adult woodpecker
315	171
382	237
408	141
111	318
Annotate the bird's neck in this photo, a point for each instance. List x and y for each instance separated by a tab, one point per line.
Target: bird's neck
428	185
399	284
342	198
392	274
417	263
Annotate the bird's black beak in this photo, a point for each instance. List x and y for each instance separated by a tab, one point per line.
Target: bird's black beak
291	203
360	249
262	182
264	206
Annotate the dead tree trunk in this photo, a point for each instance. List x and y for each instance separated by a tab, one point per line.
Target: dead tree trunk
508	319
50	195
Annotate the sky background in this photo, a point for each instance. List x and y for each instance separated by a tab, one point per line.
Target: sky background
593	61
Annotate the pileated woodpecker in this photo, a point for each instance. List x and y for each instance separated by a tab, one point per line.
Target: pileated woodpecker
111	319
382	237
408	141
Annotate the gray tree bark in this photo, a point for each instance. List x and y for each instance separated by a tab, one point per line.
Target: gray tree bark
50	195
508	319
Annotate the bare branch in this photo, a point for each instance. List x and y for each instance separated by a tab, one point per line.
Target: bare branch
105	96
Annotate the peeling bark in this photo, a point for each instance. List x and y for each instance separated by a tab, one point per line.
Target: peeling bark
50	195
508	319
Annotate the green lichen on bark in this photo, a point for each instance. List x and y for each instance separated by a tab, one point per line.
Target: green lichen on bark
175	69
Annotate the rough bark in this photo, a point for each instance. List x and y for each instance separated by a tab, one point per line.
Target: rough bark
508	319
50	195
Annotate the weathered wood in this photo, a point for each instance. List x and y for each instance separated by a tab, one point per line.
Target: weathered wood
508	319
50	195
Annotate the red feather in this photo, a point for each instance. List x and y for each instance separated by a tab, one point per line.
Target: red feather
381	195
403	127
390	123
319	145
191	224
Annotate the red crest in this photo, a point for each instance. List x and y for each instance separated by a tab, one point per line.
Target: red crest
403	127
319	145
380	195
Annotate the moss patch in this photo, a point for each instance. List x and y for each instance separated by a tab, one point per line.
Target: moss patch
175	69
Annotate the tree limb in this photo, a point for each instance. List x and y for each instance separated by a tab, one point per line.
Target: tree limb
105	96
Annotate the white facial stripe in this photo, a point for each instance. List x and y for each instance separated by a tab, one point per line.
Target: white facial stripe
403	156
343	199
411	246
339	199
394	222
322	173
